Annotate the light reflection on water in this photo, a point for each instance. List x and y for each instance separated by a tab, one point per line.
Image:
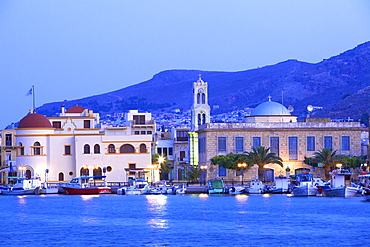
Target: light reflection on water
182	220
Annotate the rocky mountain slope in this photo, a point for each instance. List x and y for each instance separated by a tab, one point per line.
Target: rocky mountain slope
340	84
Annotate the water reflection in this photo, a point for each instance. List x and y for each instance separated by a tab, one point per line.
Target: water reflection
157	208
88	197
21	199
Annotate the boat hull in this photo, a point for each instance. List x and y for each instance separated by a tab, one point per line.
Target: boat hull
304	190
87	191
10	191
333	192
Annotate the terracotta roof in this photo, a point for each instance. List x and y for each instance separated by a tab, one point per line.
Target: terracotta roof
34	121
76	109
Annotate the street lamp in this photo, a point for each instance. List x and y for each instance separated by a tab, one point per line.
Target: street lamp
242	167
364	167
22	169
204	169
339	166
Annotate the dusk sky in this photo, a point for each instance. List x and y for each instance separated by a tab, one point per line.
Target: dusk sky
74	49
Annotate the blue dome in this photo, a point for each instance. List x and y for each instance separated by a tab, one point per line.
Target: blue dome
270	108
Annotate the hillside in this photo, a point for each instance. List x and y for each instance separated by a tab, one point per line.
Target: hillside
340	84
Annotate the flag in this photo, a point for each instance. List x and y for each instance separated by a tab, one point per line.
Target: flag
29	92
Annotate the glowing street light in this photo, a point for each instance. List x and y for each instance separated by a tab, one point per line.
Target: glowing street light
242	167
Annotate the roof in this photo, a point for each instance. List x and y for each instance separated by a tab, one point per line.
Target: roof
76	109
34	121
270	108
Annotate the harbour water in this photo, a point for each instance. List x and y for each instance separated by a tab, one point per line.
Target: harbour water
183	220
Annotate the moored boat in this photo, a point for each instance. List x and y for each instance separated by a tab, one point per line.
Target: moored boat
81	186
340	185
306	185
256	187
136	187
216	186
22	186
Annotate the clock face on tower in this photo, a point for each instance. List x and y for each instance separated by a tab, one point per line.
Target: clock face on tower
200	90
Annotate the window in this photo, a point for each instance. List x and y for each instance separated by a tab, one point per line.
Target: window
97	171
182	135
221	171
159	151
57	124
142	132
328	142
86	149
87	124
67	150
142	148
202	145
182	155
198	98
170	151
256	142
8	140
149	132
165	152
310	143
137	132
127	149
61	176
239	144
203	98
274	145
96	149
199	119
221	144
84	171
37	148
139	119
111	149
293	148
132	166
345	143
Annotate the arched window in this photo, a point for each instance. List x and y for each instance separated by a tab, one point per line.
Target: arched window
97	171
36	149
27	174
84	171
127	149
203	118
111	149
199	119
198	98
21	148
142	148
203	98
60	176
86	149
96	149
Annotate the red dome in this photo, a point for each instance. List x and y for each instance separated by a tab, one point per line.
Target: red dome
34	120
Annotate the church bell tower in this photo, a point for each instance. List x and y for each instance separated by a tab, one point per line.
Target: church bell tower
200	111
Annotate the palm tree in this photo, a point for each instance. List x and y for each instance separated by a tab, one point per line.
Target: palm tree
328	158
194	174
261	156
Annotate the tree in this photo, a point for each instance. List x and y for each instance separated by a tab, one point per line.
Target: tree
261	156
237	162
328	158
194	174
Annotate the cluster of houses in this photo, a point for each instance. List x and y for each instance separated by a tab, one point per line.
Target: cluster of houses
77	143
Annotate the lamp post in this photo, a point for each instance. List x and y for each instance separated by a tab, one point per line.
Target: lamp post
242	167
204	175
339	166
364	167
22	169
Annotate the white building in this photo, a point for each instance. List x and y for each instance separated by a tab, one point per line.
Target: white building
74	144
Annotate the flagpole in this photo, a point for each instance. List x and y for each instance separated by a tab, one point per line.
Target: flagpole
33	95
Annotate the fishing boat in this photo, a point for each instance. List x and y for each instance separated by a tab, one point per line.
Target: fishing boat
256	187
237	190
340	185
81	186
306	185
22	186
216	186
281	185
136	187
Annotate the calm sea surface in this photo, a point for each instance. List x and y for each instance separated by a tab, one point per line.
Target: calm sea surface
183	220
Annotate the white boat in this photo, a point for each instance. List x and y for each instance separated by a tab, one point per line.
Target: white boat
281	185
340	185
237	190
256	187
306	185
22	186
50	188
136	187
